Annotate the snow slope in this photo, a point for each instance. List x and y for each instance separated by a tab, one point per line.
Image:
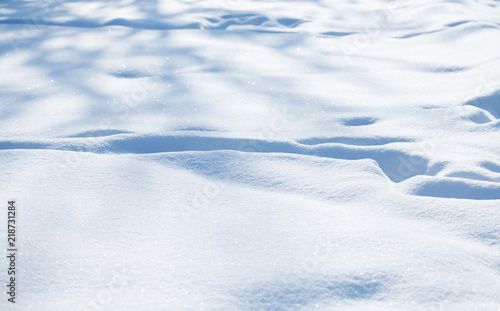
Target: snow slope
252	155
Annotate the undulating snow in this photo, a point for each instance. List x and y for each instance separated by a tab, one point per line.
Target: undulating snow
252	154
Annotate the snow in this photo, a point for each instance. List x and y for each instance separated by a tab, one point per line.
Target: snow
252	155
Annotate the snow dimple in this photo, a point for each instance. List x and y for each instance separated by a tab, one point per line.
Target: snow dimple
494	167
455	188
359	121
480	117
337	33
290	22
458	180
475	114
489	103
130	74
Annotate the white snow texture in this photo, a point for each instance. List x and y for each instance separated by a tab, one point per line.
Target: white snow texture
251	154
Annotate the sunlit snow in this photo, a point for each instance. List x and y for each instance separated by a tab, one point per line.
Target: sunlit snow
252	154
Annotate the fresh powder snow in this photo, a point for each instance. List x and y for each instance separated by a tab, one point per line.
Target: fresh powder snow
250	155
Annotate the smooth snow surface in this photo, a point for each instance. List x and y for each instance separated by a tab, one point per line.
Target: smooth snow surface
252	155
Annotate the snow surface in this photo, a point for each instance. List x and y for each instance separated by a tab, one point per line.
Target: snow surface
252	155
